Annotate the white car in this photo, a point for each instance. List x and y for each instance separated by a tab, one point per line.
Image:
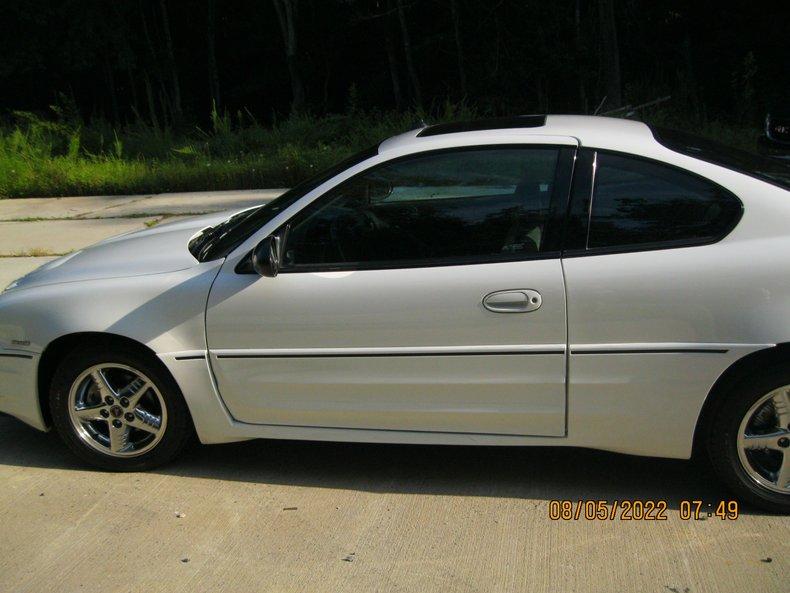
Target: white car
559	280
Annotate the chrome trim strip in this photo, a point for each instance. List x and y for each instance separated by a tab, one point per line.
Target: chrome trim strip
592	197
185	355
487	350
15	355
662	348
655	351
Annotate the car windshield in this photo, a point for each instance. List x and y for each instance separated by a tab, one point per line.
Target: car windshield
218	241
770	170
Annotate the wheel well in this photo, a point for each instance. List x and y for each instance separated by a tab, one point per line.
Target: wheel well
740	369
58	349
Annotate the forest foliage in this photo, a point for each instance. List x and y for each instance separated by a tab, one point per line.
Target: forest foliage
165	95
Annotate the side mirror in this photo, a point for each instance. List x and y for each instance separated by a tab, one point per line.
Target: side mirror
266	257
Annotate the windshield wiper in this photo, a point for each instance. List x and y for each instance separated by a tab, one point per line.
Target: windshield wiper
201	246
197	244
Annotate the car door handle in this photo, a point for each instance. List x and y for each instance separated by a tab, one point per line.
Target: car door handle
513	301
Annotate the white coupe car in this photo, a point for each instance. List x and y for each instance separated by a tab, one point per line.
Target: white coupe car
540	280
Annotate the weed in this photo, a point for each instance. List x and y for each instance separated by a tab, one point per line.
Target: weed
65	156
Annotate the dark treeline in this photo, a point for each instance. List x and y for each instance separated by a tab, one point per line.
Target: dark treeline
166	62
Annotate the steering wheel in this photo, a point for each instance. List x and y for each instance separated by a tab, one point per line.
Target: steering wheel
355	223
351	221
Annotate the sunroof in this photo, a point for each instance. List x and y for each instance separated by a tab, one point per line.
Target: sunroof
498	123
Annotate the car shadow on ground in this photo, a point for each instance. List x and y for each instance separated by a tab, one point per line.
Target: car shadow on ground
536	473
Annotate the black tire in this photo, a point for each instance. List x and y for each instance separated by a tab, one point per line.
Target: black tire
722	438
177	433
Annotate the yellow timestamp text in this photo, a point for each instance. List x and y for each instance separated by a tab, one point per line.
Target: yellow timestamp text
639	510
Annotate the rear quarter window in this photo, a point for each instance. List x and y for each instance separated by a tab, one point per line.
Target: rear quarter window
638	203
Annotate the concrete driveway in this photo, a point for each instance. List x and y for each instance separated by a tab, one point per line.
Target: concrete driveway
35	230
293	516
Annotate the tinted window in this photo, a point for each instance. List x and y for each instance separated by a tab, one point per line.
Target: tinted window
637	202
218	241
471	205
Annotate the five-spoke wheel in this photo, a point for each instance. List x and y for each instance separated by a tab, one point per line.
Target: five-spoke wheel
764	441
119	408
748	438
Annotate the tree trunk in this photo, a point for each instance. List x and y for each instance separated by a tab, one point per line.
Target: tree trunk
690	77
149	95
286	14
167	119
393	65
610	54
171	64
459	50
213	74
577	22
116	118
415	83
132	89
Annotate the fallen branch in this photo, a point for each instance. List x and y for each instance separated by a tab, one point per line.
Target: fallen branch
630	109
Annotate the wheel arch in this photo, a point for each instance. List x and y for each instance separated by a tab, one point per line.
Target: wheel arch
59	348
740	369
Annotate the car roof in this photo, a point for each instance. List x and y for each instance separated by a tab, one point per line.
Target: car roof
588	130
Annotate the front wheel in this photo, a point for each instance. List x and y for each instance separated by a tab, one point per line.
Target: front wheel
118	410
749	440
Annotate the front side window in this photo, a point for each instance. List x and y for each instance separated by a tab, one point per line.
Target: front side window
218	241
643	203
465	205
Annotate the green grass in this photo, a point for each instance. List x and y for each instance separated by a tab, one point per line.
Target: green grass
35	252
40	157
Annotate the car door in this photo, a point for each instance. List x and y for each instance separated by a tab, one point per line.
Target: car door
423	294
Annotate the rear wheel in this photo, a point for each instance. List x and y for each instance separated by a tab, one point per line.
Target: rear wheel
749	439
118	410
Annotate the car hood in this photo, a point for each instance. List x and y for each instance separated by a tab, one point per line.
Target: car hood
159	249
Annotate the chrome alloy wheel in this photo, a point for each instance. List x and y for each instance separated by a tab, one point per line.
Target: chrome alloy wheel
764	441
117	410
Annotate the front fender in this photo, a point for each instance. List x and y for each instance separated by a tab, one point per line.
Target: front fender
164	312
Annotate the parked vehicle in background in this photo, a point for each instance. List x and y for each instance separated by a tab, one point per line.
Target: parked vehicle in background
540	280
776	139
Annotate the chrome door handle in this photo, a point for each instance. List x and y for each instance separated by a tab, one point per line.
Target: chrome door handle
513	301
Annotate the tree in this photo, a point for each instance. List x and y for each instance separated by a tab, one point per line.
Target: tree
286	15
163	61
415	83
213	74
149	91
610	54
383	13
171	65
577	38
392	62
459	50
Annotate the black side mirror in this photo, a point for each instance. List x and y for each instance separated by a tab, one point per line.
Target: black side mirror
266	257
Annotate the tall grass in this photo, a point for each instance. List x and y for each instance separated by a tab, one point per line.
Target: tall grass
65	156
